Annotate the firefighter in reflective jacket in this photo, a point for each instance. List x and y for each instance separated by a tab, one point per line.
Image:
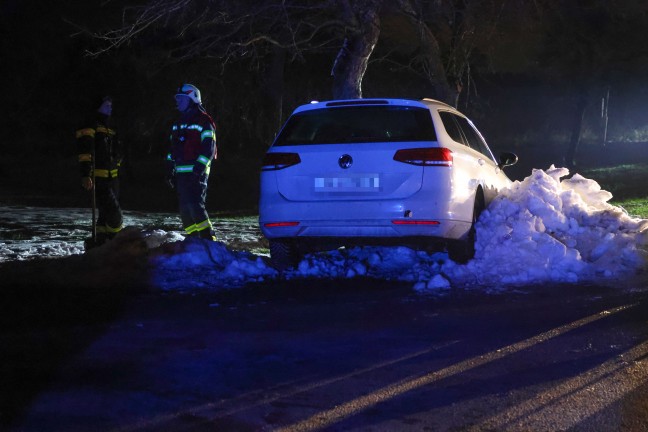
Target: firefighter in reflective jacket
98	138
193	147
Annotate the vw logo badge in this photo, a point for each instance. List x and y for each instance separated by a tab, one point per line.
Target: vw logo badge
345	161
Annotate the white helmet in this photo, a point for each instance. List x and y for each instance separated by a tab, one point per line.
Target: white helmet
191	91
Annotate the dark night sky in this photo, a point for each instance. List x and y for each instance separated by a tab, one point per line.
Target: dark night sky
48	76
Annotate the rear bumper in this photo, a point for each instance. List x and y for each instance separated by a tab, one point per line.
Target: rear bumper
427	215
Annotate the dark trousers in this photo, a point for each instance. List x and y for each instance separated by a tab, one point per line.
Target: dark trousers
192	193
110	219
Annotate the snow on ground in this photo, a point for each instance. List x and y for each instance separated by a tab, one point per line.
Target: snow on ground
206	264
542	229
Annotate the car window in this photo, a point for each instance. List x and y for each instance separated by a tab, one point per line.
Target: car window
358	124
451	126
475	140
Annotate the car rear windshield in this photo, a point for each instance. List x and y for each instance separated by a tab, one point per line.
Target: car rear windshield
358	124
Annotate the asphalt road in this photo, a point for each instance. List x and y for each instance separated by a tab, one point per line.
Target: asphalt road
359	355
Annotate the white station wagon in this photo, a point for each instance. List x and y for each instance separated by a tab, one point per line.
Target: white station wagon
376	172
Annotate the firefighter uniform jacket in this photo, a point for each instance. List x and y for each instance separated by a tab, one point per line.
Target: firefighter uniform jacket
193	143
99	137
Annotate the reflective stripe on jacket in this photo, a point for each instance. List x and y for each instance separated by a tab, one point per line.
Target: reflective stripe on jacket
99	137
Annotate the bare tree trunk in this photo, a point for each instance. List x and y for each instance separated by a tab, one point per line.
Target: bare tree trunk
351	62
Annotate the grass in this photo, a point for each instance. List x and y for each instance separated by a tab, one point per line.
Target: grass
637	207
628	185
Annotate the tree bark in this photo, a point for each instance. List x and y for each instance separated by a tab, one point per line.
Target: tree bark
352	59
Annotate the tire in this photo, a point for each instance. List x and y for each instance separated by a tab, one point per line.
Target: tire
462	251
283	255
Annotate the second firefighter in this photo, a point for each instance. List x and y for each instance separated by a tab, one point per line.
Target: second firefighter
193	148
100	156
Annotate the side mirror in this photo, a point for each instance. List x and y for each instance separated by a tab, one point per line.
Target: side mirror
507	159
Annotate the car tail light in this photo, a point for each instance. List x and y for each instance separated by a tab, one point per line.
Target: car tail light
429	156
277	161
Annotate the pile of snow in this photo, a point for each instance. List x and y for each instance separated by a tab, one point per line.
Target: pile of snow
544	229
539	230
196	263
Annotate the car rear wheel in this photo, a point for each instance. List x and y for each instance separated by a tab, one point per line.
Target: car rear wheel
462	251
283	254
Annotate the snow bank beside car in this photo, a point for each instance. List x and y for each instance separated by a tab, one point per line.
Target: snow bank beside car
542	229
547	230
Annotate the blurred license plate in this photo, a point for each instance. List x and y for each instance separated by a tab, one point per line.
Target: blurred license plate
367	182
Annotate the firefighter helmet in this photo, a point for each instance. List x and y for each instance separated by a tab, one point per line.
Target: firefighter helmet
191	91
